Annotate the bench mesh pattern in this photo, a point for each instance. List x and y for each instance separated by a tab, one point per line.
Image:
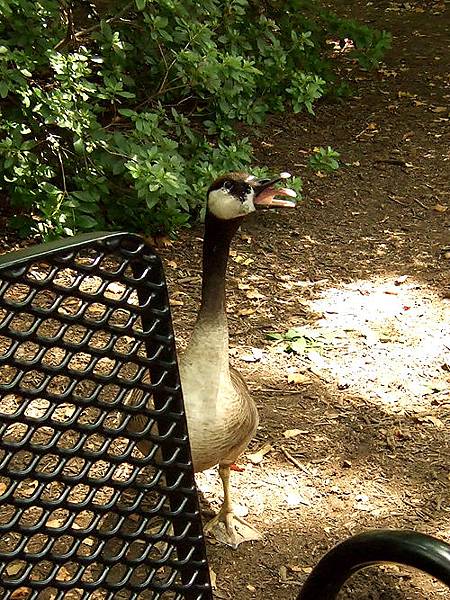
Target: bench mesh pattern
83	513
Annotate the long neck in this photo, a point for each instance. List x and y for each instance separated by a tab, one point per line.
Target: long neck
216	248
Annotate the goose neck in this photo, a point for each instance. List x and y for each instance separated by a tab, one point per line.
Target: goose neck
216	249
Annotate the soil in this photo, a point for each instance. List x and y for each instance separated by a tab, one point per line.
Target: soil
355	414
356	423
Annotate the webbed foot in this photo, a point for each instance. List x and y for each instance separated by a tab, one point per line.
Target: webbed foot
230	529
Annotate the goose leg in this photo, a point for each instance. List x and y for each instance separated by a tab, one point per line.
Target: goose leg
227	527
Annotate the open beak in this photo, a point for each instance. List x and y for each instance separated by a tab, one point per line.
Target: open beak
269	196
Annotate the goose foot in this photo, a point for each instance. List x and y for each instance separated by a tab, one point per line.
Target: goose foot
230	529
227	527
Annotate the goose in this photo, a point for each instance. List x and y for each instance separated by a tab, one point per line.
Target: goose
221	415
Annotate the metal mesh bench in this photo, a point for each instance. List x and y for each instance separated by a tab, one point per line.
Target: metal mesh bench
83	514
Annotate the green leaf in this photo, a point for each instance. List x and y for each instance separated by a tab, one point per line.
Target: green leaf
79	146
274	336
140	4
4	89
86	222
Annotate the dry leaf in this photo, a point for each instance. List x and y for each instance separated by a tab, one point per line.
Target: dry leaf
257	457
176	302
3	487
55	523
63	574
172	263
440	109
254	295
242	260
298	378
244	312
290	433
21	593
295	568
440	208
14	568
433	420
213	578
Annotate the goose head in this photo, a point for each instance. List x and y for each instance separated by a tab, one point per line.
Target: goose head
236	195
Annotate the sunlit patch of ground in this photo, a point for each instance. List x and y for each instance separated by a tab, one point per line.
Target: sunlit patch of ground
389	339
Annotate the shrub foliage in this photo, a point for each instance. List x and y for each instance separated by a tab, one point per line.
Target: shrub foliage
118	114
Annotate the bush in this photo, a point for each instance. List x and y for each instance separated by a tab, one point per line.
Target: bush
118	114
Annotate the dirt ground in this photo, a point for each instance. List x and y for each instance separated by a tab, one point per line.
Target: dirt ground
354	424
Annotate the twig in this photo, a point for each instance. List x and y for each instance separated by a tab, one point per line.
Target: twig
69	34
394	199
294	461
84	32
62	173
421	204
279	391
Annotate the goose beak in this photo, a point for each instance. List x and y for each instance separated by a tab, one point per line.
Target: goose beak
268	196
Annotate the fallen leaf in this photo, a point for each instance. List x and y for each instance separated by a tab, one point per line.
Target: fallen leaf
440	208
245	312
213	578
290	433
242	260
21	593
298	378
172	263
3	488
295	568
255	356
257	457
14	568
251	588
254	295
433	420
55	523
440	109
174	302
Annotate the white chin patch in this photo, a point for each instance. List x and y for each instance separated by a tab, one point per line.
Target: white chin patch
224	205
